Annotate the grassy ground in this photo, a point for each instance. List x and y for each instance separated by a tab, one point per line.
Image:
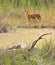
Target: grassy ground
43	55
16	16
23	35
37	57
13	16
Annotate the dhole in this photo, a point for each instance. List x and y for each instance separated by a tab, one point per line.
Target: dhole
32	16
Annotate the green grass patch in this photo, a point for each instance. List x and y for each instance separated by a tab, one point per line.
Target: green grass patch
36	56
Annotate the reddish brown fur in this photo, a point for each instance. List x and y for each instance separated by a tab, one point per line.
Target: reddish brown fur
32	16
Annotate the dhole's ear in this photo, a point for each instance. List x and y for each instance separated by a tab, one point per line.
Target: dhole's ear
25	10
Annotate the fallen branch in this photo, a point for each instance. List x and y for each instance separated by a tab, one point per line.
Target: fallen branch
14	47
32	46
34	43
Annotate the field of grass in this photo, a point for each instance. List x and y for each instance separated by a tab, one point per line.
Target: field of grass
44	54
12	12
18	18
13	18
23	35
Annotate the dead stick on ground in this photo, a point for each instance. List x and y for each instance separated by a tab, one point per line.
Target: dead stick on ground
34	43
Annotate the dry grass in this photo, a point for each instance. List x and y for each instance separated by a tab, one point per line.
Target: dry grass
17	16
24	35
